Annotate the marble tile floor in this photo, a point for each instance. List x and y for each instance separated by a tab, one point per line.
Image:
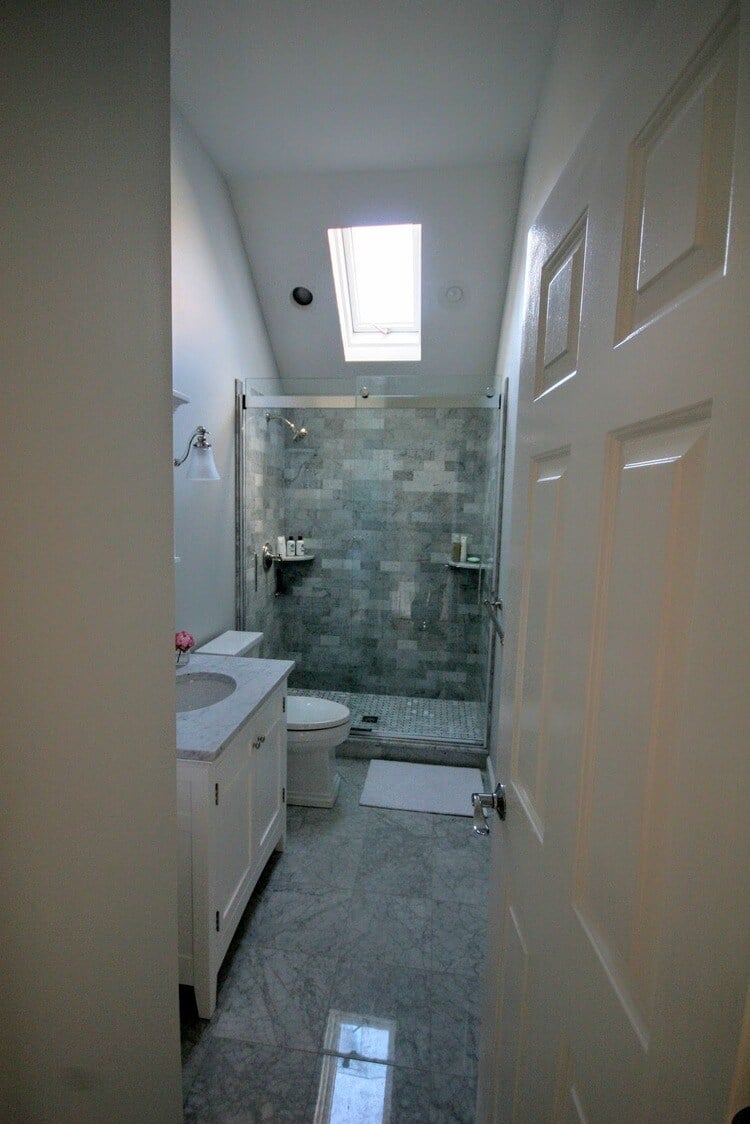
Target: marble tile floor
367	934
450	720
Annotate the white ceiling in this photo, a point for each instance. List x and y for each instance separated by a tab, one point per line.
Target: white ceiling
337	112
467	217
345	85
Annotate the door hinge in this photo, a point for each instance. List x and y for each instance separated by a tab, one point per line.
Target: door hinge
218	923
283	796
244	401
216	793
283	704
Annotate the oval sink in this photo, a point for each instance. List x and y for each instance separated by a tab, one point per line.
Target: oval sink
202	688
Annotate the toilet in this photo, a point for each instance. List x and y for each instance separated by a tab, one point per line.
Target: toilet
314	728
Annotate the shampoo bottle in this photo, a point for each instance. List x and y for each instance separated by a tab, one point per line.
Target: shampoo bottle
281	546
291	547
300	546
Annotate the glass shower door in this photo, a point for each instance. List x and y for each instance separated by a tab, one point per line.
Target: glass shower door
417	625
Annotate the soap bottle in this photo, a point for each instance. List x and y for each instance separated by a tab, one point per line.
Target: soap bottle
281	546
300	546
291	547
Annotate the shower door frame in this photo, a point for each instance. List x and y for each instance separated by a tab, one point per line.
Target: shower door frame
246	399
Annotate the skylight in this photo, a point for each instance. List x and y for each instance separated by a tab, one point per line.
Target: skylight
377	274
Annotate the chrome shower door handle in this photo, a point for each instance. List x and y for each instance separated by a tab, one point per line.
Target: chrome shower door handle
482	800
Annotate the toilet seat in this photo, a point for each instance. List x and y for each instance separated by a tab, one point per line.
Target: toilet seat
307	713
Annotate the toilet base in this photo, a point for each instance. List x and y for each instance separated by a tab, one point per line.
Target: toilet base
311	778
324	799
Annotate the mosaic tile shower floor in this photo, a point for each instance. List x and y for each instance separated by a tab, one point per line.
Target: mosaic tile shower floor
359	956
450	720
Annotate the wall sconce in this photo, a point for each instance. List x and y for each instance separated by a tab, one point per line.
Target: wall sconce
202	466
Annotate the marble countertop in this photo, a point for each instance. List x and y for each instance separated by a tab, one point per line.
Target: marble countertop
203	734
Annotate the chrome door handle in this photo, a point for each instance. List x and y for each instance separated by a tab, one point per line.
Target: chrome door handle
482	800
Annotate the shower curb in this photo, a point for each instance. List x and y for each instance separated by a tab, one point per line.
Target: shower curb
413	750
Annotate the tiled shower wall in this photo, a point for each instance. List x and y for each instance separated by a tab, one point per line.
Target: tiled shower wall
377	494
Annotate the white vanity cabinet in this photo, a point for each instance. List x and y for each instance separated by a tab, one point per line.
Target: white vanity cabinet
232	815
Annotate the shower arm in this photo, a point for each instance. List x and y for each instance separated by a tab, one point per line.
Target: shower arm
281	418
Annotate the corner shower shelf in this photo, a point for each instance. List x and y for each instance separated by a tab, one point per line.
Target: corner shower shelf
467	566
269	557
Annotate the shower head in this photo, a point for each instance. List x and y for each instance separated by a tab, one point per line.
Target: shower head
299	433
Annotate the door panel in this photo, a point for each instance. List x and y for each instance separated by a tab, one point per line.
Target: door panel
268	764
679	184
540	589
648	530
623	866
234	851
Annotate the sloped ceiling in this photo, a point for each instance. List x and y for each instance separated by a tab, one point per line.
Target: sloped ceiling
331	113
467	217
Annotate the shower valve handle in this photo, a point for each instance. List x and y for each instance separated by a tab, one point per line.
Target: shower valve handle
482	800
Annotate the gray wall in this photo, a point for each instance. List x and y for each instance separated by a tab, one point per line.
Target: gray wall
88	918
218	336
377	494
467	217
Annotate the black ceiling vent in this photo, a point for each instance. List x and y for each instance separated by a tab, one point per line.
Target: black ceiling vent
302	296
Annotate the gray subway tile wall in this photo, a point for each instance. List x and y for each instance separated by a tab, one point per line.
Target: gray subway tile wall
377	494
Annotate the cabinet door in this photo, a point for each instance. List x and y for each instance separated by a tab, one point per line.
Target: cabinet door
233	850
268	765
185	876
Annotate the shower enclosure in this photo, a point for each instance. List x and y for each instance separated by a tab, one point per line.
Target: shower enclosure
377	614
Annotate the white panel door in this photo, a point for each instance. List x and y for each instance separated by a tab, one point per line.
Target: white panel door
619	953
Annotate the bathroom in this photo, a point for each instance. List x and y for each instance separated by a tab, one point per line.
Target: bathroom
383	613
96	191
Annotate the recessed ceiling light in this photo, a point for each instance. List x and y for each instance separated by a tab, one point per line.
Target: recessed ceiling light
454	294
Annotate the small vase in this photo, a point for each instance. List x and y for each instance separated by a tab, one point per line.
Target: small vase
183	659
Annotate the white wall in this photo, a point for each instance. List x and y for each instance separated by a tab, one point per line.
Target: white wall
88	963
592	45
467	217
218	336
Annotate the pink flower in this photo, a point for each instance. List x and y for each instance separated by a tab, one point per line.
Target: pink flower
184	641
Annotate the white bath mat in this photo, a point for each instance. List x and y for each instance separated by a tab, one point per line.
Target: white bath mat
421	788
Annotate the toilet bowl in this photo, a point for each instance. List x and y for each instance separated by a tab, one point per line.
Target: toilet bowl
314	728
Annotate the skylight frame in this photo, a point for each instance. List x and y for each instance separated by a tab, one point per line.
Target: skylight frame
363	342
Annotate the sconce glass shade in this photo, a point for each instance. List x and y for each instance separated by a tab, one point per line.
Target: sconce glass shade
202	464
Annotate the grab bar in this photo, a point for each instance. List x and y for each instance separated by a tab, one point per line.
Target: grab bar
492	607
